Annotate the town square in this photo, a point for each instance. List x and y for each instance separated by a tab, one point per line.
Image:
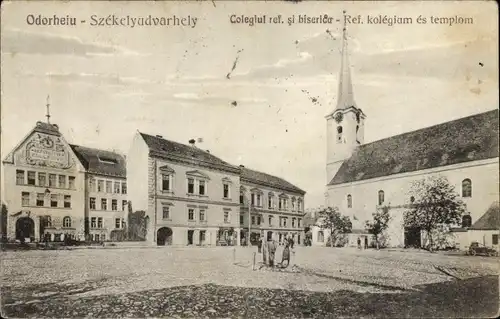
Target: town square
229	169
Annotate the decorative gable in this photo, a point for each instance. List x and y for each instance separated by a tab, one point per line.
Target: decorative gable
197	174
227	180
166	169
44	150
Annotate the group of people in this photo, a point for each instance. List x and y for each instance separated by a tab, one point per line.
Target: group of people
268	250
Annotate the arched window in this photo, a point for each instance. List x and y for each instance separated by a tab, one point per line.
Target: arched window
321	237
466	188
412	199
339	134
381	198
67	222
349	201
466	221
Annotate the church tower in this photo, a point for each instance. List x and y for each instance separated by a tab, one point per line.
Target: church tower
345	124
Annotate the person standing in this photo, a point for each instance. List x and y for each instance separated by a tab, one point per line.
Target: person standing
359	243
272	246
286	255
260	245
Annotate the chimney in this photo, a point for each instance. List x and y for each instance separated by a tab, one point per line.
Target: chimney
208	151
192	142
242	166
159	136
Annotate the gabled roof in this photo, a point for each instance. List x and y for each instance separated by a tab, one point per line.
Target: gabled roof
164	148
490	220
260	178
161	147
467	139
100	161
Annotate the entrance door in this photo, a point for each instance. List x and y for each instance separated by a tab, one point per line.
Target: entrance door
25	228
164	236
269	235
202	237
190	237
412	238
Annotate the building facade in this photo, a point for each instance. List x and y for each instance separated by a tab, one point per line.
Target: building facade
192	197
276	207
106	205
48	188
364	177
44	185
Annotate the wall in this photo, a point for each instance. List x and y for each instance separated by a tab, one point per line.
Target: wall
484	176
137	174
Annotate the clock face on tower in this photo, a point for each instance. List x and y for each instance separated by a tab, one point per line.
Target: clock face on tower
339	117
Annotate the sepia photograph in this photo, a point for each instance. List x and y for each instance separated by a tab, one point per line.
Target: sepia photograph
249	159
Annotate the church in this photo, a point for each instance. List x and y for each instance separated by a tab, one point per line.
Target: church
364	177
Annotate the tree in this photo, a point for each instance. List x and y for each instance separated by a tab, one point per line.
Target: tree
335	222
379	223
435	204
3	222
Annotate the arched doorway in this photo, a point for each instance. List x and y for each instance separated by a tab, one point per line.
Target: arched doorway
164	236
25	228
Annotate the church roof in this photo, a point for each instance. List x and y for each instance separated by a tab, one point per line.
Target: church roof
467	139
490	220
257	177
101	162
161	147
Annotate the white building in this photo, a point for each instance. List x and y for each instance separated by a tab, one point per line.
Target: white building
363	177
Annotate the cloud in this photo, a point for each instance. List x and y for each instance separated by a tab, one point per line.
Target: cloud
15	41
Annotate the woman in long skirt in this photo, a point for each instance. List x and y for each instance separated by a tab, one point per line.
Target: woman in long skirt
286	255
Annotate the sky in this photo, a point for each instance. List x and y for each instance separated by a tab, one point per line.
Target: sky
257	95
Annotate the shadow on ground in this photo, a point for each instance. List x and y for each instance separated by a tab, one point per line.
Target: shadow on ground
476	297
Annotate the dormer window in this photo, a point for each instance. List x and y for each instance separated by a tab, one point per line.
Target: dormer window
339	134
107	160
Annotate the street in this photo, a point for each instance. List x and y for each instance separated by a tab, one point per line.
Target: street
220	282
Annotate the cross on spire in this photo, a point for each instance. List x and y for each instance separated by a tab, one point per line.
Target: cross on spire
345	95
48	110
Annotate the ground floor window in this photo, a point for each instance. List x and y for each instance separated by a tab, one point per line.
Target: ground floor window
494	239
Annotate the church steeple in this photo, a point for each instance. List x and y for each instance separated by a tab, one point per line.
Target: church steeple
345	123
345	94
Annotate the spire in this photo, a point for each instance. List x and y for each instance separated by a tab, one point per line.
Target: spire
48	110
345	95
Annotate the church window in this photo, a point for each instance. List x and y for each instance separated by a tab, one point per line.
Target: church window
412	199
466	188
381	197
466	221
339	134
349	201
357	130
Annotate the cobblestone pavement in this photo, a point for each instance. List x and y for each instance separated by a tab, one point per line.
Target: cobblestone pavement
219	282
